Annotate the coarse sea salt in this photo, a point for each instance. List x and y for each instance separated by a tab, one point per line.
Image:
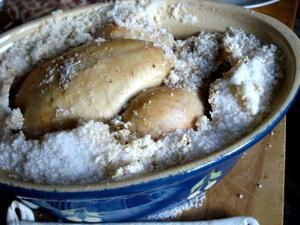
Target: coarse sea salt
96	151
181	13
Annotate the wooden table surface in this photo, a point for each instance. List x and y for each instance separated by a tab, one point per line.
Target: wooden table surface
255	187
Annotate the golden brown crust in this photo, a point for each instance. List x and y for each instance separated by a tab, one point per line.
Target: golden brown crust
92	81
162	109
112	31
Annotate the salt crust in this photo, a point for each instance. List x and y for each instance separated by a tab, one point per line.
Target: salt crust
181	13
95	151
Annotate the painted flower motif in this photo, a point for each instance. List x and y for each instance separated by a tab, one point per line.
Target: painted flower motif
205	183
82	215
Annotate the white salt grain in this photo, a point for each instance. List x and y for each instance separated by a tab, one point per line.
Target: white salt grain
240	196
68	71
181	13
15	120
267	146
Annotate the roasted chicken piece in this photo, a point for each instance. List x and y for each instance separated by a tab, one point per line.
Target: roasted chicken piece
160	110
90	82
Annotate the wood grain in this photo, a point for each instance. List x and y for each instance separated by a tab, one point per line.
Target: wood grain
284	10
259	176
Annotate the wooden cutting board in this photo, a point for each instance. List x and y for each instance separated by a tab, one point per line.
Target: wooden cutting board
255	187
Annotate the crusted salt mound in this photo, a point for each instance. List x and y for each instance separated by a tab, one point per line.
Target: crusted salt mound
197	57
96	151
